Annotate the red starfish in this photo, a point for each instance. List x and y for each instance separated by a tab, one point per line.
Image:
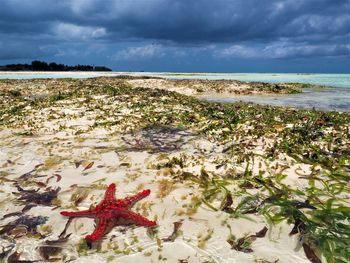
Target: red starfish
112	211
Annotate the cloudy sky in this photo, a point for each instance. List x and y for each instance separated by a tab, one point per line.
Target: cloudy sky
180	35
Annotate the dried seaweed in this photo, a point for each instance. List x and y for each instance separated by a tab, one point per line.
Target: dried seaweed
26	175
79	195
52	248
12	214
21	190
227	205
261	233
5	250
69	221
175	233
310	254
15	258
40	184
27	207
58	178
30	197
155	138
78	163
244	244
88	166
30	222
299	227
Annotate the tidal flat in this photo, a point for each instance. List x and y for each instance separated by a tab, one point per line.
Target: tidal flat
230	182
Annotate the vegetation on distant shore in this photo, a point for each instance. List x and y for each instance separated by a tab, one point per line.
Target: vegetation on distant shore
44	66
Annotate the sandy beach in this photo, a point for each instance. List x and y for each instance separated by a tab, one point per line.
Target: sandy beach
229	182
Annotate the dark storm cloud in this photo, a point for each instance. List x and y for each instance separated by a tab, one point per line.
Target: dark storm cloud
227	21
242	28
16	52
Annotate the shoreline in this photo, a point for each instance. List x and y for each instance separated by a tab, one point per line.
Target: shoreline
324	79
225	171
186	86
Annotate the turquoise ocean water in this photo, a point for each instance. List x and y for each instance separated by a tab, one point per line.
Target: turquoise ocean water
335	80
337	98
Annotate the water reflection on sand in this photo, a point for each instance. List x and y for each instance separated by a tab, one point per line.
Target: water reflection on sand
337	99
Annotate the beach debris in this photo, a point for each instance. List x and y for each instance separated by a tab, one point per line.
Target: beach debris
155	138
4	179
6	246
18	231
58	178
15	258
176	232
299	227
51	248
227	204
40	184
78	163
26	175
261	233
79	195
29	222
111	211
89	166
152	232
204	237
244	244
20	189
125	164
63	233
165	187
31	197
12	214
310	254
28	207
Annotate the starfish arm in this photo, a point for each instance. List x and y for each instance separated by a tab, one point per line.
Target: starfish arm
110	193
134	218
99	231
79	213
131	200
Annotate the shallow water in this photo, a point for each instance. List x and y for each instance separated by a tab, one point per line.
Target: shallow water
325	99
335	80
333	99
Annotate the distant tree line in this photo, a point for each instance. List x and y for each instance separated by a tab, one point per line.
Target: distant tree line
43	66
